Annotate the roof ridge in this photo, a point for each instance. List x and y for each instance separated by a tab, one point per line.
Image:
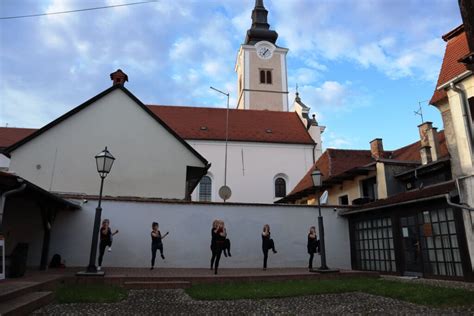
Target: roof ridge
216	108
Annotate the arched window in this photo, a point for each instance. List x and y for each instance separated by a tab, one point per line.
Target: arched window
280	187
269	76
205	189
262	76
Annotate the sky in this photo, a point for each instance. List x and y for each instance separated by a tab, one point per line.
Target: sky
363	66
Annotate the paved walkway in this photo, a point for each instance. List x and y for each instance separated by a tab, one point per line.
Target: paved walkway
177	302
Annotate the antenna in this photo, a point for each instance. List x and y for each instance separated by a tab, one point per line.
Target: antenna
420	111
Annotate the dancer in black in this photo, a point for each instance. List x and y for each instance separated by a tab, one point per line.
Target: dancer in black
267	244
215	225
156	243
106	237
226	245
313	246
219	246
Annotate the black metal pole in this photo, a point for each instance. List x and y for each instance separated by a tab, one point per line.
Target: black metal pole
95	233
322	248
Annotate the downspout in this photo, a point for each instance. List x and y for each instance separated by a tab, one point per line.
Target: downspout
3	199
465	111
462	206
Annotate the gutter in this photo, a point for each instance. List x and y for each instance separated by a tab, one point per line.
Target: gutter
3	199
342	213
458	78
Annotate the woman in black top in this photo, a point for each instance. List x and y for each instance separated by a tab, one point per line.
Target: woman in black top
215	225
267	244
105	240
219	244
313	246
156	243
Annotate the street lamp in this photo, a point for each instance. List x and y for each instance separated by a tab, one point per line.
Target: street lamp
317	183
104	161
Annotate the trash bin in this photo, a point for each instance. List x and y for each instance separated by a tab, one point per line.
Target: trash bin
18	260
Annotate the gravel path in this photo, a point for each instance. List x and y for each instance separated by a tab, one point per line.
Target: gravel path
433	282
177	302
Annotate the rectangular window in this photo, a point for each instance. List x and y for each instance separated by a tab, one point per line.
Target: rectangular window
374	245
344	200
369	188
265	76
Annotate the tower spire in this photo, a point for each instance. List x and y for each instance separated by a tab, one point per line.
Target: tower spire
260	29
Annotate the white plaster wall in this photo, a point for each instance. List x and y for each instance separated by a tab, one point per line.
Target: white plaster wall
251	178
4	162
150	162
190	231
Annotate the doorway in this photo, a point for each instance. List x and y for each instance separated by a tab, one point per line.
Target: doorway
413	263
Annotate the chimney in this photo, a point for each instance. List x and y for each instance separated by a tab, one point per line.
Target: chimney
376	148
467	8
429	149
118	77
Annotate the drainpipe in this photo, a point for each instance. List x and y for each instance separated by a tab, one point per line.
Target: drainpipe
466	111
462	206
3	199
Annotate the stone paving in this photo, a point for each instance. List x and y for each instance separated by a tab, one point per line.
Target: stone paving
177	302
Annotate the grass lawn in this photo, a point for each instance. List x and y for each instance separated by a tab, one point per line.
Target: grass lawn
414	293
86	293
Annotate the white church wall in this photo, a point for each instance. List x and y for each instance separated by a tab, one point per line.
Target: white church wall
189	225
252	167
150	162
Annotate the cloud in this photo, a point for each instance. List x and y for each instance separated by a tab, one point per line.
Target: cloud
335	140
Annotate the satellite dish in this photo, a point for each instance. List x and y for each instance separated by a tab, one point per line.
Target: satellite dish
324	198
225	192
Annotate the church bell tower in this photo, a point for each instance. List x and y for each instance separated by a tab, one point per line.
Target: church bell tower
261	67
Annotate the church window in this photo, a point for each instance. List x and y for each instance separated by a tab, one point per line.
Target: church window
280	187
205	189
265	76
269	76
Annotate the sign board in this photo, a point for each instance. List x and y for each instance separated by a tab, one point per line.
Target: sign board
225	192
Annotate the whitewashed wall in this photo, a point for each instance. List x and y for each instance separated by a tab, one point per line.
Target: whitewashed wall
190	232
150	162
252	167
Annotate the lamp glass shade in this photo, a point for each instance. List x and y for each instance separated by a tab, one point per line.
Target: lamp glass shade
316	177
104	161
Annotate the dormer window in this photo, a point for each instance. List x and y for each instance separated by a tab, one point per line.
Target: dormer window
265	76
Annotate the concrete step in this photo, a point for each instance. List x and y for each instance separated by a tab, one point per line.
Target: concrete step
136	285
10	290
25	304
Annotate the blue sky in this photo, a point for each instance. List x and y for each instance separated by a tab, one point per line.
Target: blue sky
361	65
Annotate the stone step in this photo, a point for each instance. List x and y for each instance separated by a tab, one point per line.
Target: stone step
25	304
136	285
10	290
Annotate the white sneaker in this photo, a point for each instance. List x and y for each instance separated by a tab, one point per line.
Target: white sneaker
110	249
98	268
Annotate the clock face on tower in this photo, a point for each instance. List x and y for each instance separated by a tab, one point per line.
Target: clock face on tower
264	49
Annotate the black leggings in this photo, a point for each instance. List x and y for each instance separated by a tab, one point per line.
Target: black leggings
153	253
102	245
311	256
265	257
216	257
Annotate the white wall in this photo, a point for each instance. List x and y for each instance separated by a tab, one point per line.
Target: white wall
4	162
252	167
190	232
150	162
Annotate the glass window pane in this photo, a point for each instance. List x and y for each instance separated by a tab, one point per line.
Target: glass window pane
447	255
446	241
440	255
434	216
452	228
438	242
442	269
459	269
434	267
441	215
444	228
456	255
435	229
429	241
454	241
449	213
426	217
432	256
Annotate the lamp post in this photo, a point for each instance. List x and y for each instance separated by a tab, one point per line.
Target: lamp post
104	161
317	182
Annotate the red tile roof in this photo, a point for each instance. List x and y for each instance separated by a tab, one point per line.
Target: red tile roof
10	135
209	124
244	125
335	162
456	48
431	191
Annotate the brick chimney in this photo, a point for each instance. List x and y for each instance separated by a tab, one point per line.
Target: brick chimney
467	8
376	148
118	77
429	149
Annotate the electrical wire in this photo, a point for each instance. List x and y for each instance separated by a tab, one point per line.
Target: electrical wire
78	10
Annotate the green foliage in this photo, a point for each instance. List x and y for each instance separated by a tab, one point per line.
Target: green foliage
414	293
89	293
